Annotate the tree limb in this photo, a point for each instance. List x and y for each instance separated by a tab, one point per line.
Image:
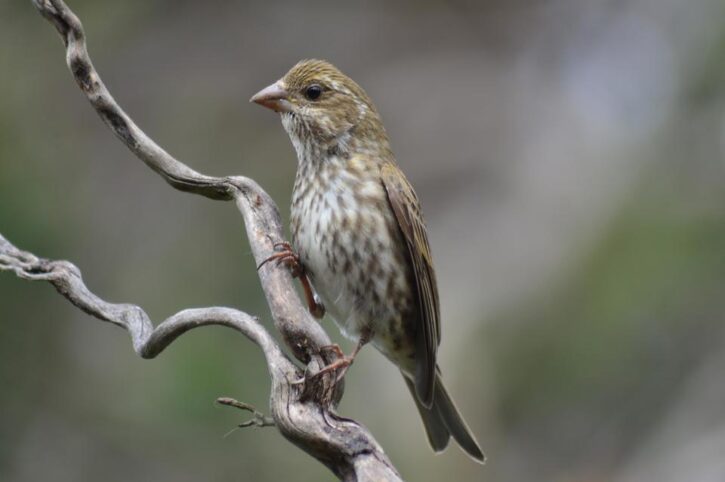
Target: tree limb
346	447
302	415
147	341
261	216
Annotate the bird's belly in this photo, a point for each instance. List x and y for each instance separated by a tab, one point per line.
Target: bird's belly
356	260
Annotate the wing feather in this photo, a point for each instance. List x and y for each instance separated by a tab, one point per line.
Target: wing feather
407	210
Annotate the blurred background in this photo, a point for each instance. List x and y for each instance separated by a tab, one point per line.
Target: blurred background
570	157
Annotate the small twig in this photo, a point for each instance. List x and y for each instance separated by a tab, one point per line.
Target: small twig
258	418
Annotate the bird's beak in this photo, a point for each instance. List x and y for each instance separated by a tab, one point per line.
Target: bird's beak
273	97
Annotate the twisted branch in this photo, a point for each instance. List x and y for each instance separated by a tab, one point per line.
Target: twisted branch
147	341
261	216
303	416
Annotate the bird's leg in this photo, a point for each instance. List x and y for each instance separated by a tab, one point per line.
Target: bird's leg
341	365
317	309
285	254
335	348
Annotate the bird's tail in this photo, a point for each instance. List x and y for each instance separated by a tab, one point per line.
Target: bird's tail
443	421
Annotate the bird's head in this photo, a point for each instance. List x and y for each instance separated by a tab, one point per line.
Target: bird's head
323	109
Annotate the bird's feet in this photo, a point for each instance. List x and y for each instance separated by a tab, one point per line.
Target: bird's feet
285	254
317	383
338	367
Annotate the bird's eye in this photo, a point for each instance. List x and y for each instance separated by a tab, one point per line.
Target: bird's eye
313	92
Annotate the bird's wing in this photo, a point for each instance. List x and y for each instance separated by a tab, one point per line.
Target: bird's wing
406	207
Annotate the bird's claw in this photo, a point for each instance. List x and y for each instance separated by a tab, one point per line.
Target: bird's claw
339	366
342	361
285	254
334	348
322	385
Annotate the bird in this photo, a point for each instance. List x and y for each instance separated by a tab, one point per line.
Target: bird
359	237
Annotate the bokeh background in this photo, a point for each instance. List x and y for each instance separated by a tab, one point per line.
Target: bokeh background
570	157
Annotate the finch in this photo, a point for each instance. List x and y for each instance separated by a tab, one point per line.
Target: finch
359	236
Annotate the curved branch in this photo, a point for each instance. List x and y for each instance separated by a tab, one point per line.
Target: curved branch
303	416
343	445
264	228
147	341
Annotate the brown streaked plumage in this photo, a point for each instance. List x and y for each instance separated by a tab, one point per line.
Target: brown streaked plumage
358	232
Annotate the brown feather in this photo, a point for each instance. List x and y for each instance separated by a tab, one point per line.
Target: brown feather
406	207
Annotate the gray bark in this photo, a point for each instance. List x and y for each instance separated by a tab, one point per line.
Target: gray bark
302	412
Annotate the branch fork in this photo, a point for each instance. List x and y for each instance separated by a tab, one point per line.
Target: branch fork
303	413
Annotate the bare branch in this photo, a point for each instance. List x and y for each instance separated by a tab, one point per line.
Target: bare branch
303	416
346	447
261	216
258	418
147	341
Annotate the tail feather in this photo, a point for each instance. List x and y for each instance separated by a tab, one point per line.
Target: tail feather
443	421
435	429
453	420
